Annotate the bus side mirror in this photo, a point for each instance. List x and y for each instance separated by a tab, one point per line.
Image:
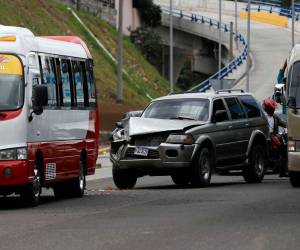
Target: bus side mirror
39	98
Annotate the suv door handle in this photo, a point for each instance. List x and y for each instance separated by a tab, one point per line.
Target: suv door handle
247	124
230	126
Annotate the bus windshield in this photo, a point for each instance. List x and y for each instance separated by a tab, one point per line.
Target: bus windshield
11	92
11	83
294	84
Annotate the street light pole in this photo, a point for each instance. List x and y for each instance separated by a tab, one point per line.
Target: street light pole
171	49
236	24
120	54
248	44
220	43
293	23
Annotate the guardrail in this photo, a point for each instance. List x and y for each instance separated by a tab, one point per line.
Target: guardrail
236	62
275	8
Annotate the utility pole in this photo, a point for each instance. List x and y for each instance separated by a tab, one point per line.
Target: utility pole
236	23
293	23
77	4
171	49
248	44
220	43
120	54
231	41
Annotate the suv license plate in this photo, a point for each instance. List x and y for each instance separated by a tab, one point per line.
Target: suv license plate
141	151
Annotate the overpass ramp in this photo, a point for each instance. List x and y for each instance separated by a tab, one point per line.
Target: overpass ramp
269	47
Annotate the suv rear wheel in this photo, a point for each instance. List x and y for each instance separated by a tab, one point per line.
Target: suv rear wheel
254	172
123	179
202	168
295	179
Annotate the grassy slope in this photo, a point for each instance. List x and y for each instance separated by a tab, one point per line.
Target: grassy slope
49	17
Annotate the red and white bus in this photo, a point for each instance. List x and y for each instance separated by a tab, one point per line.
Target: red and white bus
49	122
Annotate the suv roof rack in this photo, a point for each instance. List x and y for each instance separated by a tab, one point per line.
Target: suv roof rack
229	91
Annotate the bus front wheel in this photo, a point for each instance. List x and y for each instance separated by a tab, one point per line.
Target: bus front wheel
31	193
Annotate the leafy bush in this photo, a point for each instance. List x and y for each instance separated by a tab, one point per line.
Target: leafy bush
150	45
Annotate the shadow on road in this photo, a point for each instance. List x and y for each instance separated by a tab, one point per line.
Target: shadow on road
14	202
212	185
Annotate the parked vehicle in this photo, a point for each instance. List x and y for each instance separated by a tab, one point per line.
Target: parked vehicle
48	114
187	136
293	116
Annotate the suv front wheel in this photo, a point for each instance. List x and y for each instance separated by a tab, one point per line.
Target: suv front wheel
202	168
254	172
123	179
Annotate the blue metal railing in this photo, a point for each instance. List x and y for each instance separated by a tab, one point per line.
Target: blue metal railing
236	62
275	8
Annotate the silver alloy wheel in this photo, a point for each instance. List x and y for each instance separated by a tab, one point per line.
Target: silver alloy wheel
36	184
259	164
205	167
81	177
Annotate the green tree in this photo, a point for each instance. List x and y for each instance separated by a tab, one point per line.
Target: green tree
150	12
150	45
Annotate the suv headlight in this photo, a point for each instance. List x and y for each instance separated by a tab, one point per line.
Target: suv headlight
181	139
13	154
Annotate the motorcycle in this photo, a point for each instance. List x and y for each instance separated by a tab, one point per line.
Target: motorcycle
278	153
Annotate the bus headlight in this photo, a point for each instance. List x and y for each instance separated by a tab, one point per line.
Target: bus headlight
13	154
291	146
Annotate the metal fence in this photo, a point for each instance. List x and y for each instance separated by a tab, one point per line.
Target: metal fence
236	62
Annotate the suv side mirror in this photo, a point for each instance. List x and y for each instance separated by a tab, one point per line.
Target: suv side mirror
220	116
119	125
137	113
39	98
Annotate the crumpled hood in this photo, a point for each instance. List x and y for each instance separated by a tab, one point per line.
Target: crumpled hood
138	125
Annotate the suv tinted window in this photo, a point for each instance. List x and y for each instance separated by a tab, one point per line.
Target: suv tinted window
219	105
235	108
250	106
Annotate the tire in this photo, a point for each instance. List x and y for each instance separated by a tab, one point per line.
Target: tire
72	188
254	172
123	179
295	179
202	169
31	194
181	179
78	185
60	190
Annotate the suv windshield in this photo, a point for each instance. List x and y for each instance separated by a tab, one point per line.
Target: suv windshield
11	92
181	109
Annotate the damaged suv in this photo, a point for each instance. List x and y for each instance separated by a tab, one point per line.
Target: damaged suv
188	136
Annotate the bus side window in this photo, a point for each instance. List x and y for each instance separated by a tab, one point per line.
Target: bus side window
91	84
78	80
66	83
83	70
49	78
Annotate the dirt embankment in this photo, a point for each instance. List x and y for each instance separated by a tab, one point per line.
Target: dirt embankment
110	113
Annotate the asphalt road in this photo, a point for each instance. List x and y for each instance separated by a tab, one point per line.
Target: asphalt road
158	215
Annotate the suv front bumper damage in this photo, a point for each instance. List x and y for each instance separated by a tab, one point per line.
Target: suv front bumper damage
166	156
